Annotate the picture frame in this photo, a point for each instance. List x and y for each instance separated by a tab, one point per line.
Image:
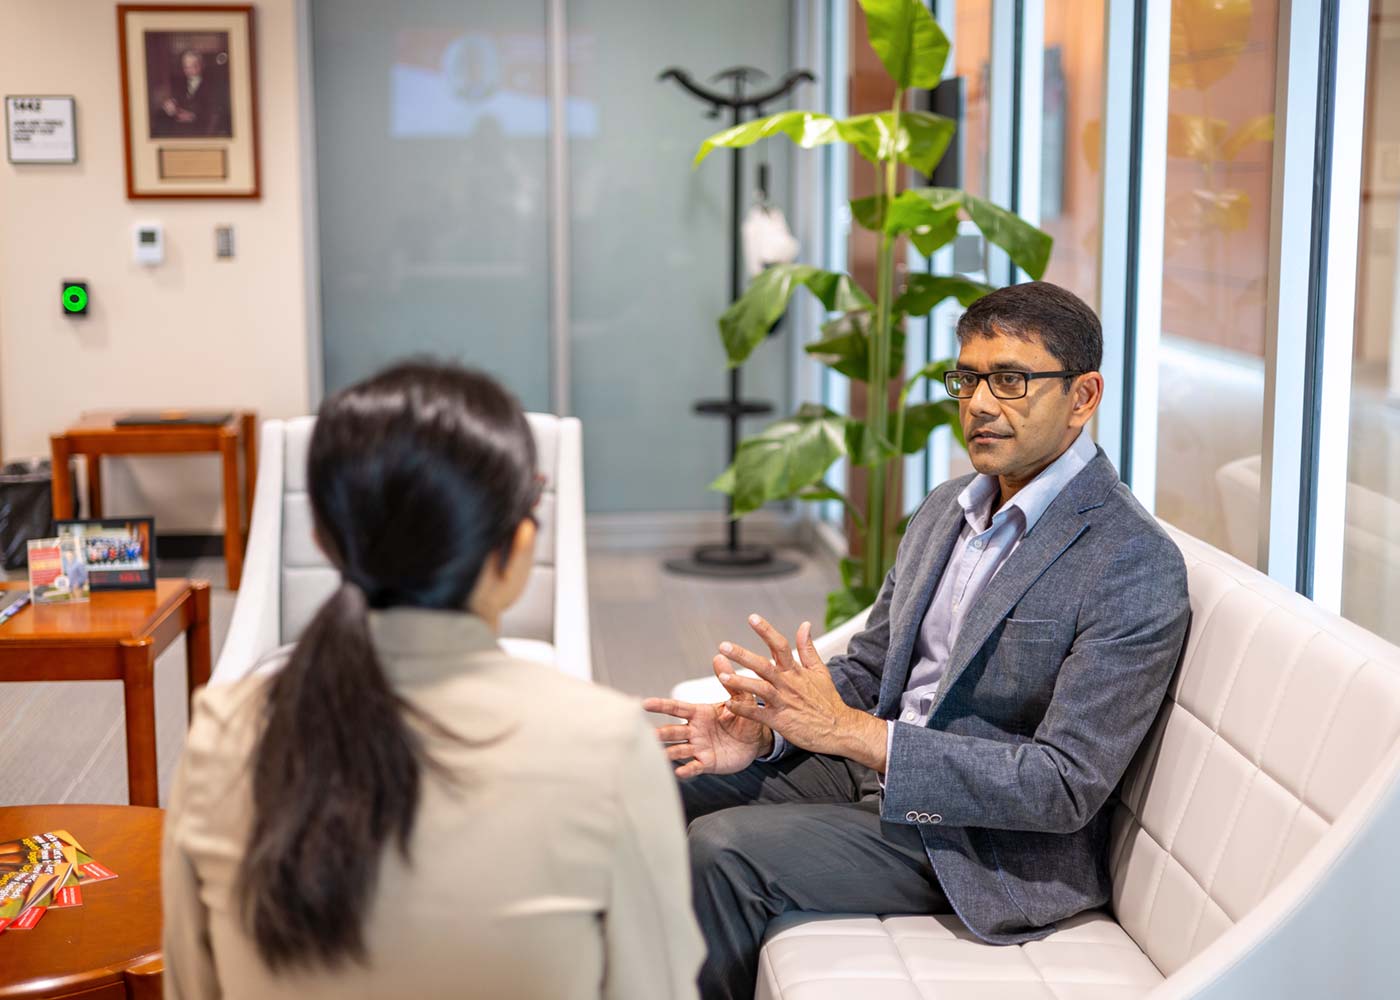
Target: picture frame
120	552
189	100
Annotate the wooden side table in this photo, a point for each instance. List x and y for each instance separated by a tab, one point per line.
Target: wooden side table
108	948
96	434
114	637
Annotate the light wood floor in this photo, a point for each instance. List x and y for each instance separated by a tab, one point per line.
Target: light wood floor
66	742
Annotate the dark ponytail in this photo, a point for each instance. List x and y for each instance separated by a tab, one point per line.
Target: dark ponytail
416	478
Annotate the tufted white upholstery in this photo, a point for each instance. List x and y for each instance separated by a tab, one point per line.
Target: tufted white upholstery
922	958
287	577
1262	806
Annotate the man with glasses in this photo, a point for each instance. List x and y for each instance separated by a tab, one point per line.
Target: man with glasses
961	754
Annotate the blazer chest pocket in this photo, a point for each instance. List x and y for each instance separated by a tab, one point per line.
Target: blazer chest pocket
1018	677
1028	630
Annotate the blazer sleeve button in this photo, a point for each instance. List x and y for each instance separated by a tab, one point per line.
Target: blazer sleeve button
912	816
935	818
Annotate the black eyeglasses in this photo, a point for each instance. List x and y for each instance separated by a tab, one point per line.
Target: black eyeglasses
1004	385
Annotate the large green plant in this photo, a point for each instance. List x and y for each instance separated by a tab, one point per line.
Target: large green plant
865	340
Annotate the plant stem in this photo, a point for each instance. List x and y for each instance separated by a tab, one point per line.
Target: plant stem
878	401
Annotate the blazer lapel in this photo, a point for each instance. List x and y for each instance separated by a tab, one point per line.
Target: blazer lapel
1059	528
909	605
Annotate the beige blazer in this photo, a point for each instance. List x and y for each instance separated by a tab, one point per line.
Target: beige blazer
553	865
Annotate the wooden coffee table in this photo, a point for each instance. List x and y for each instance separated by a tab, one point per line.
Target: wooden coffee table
96	434
114	637
108	948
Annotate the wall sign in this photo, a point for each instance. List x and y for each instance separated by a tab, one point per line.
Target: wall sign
41	129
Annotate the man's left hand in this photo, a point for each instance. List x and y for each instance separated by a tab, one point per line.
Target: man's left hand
800	701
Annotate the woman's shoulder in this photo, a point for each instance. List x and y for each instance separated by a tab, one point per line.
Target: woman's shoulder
585	701
227	716
545	710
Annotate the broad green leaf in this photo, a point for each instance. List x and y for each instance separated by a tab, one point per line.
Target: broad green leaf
748	319
924	291
869	212
920	142
1027	246
920	420
845	346
806	128
927	239
928	215
908	41
844	604
787	457
865	448
724	482
822	491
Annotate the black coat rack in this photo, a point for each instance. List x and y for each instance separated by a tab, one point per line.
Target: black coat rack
733	559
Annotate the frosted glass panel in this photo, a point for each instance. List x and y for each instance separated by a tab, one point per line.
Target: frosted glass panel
431	130
650	244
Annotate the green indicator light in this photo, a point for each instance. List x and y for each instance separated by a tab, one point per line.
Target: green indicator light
75	299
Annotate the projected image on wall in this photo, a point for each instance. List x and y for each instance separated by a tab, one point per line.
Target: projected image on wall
446	82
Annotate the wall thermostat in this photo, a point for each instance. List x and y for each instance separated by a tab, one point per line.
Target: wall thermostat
75	298
149	247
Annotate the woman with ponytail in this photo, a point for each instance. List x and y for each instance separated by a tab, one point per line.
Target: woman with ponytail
400	809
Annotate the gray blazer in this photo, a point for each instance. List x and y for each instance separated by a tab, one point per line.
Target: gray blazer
1055	678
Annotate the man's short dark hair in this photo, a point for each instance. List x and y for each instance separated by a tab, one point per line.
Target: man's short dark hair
1038	310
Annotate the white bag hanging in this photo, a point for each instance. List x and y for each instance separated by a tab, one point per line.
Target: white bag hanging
767	239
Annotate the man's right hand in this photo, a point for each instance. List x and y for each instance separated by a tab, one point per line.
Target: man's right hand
713	740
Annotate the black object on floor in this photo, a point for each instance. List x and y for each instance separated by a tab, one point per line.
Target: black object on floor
732	562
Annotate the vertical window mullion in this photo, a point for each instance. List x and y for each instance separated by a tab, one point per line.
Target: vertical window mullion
1349	25
1138	42
1030	114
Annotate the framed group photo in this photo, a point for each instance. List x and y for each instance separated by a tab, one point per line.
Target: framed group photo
189	100
120	553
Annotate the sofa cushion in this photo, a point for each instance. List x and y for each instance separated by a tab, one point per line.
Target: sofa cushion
810	957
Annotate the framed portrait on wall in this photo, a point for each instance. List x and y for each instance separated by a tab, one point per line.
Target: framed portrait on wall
189	100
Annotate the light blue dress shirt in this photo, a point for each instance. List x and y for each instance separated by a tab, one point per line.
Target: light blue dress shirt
986	542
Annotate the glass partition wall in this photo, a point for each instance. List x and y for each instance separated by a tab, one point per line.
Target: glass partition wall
484	167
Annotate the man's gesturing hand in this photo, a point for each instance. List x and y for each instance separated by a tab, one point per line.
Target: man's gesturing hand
800	701
713	739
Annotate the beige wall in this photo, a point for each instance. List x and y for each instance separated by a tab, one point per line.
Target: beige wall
194	332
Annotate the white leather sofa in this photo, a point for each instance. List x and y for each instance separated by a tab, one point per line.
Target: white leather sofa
1370	543
1255	852
286	577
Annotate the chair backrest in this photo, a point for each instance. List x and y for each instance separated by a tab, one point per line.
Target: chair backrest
1278	715
308	578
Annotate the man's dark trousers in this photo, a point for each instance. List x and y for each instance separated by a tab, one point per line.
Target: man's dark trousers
802	833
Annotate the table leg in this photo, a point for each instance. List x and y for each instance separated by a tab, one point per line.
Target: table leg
198	653
250	464
138	689
233	532
62	486
94	471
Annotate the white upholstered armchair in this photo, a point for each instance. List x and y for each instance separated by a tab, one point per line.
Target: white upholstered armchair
286	577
